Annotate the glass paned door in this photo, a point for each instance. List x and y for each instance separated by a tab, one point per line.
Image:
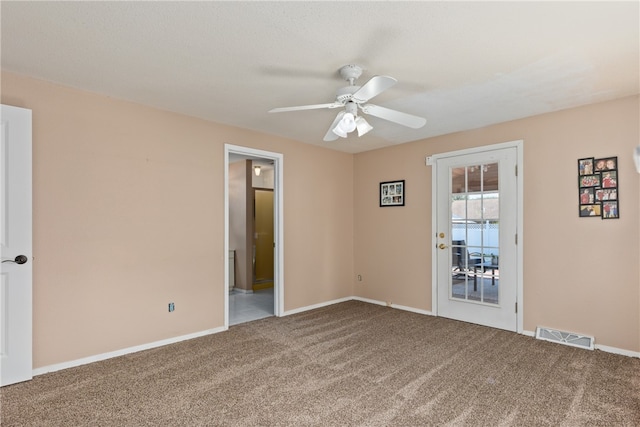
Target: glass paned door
476	217
475	245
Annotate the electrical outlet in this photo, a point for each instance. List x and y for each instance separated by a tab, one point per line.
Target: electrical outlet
359	277
172	307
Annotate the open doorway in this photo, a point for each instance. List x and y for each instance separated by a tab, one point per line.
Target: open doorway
253	234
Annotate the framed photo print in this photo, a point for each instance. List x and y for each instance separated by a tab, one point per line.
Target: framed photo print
392	193
598	187
590	210
609	179
589	180
587	196
585	166
604	194
605	164
610	210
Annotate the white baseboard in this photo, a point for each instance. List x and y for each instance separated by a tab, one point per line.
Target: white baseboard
600	347
396	306
616	350
122	352
370	301
367	300
314	306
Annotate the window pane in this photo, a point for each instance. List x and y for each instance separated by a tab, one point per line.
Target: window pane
475	219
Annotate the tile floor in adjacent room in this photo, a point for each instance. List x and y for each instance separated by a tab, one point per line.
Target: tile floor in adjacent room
247	307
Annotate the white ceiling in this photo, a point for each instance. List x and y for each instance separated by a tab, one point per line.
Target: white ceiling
461	65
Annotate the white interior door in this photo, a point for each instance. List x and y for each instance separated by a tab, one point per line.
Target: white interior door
16	250
475	237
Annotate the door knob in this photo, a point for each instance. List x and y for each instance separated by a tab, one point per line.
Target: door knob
442	246
20	259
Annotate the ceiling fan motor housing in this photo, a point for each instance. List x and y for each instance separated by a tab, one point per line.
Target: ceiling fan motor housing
351	107
344	94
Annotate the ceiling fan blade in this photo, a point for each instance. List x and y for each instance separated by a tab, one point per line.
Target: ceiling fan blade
399	117
307	107
330	136
375	86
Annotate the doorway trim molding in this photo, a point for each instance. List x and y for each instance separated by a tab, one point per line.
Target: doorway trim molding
278	232
430	160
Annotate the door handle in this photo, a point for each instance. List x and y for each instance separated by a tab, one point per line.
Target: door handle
442	246
20	259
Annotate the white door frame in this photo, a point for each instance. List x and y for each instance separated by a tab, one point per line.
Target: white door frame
431	160
278	232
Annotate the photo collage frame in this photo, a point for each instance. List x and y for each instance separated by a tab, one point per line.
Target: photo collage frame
598	187
392	193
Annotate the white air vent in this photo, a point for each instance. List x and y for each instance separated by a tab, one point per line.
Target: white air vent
567	338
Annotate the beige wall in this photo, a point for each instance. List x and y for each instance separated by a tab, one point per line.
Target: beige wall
129	215
580	274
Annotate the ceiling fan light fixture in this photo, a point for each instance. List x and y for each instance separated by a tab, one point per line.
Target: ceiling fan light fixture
362	125
338	131
345	125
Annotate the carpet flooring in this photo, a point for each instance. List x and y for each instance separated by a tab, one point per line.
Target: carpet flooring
349	364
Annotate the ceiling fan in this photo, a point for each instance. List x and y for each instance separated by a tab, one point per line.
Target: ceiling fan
353	98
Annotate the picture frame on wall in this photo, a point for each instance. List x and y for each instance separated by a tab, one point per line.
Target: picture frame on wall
592	210
585	166
605	194
605	164
609	179
587	196
589	181
392	193
610	210
598	187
